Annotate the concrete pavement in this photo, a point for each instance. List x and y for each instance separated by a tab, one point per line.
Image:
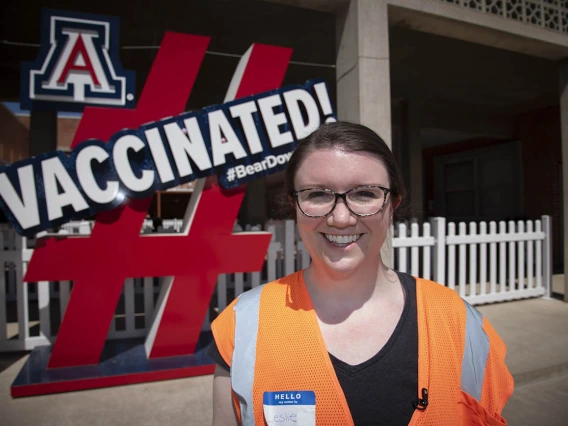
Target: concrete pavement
536	333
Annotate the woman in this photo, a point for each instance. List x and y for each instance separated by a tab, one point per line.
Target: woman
347	340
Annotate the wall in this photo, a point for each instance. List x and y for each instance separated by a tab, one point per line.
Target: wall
14	134
542	164
14	137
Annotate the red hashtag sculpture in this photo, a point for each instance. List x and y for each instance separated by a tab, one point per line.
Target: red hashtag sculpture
115	250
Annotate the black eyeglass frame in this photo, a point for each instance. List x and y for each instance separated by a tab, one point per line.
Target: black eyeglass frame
343	196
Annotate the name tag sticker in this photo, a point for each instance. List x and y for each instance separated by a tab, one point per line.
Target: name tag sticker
296	408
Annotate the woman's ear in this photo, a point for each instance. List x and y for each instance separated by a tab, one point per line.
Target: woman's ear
396	203
292	201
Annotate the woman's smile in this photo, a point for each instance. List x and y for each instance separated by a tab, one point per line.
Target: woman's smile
339	240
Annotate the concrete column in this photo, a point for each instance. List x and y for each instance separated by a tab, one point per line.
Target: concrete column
564	130
411	155
363	70
43	132
363	73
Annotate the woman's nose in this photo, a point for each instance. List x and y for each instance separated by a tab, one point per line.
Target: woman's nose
341	216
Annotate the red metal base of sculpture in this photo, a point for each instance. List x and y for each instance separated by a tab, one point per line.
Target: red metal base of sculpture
123	363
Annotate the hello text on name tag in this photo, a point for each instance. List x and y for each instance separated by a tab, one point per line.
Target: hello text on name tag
284	408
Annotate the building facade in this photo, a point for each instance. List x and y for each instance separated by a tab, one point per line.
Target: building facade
470	94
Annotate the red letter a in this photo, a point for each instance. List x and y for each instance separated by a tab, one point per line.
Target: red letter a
78	49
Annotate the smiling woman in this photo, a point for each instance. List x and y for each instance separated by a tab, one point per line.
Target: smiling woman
361	216
359	343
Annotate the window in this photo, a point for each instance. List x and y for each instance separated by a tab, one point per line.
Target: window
480	184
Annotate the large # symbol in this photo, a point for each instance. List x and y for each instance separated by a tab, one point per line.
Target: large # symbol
99	264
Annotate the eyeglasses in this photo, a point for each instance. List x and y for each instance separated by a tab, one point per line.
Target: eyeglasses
362	201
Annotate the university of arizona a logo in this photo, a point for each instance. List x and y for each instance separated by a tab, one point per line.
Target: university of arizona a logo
77	65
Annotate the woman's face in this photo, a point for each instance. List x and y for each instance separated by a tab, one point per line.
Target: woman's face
342	171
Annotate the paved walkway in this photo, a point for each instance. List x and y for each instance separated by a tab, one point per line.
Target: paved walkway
536	332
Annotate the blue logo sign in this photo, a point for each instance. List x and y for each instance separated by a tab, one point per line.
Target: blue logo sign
77	65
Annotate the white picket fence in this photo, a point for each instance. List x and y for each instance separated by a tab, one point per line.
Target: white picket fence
492	262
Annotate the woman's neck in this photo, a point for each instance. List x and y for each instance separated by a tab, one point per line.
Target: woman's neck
335	296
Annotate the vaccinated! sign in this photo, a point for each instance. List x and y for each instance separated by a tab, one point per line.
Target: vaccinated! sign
240	141
189	262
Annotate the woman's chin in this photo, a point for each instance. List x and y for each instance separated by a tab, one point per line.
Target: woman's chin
342	267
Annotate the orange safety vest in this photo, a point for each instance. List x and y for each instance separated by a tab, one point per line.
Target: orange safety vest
461	359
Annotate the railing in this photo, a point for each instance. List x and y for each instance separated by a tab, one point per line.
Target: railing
483	263
549	14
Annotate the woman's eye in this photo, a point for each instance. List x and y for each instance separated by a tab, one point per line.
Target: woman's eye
319	195
365	194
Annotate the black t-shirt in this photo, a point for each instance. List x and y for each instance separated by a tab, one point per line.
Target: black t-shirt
381	390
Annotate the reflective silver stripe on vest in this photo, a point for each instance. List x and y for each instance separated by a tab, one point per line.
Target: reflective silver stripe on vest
244	353
475	354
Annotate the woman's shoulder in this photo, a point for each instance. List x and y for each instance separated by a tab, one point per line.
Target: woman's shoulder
441	305
295	278
273	291
279	284
435	288
427	287
431	295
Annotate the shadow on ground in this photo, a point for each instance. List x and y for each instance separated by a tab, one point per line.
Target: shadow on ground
7	359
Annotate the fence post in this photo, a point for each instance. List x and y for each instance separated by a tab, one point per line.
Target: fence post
129	309
426	253
43	299
414	251
547	255
148	301
239	283
439	228
21	292
84	228
64	292
402	258
304	255
221	292
289	243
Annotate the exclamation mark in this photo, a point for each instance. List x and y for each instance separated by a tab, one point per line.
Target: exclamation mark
323	97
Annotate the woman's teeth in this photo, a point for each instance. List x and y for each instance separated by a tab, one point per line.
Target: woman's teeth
342	239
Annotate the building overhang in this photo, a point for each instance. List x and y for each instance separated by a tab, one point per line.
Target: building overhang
461	23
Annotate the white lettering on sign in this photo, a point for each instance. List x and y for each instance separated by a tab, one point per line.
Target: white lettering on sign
25	209
191	145
239	141
273	121
124	168
244	112
219	126
159	155
269	162
293	98
55	176
87	178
